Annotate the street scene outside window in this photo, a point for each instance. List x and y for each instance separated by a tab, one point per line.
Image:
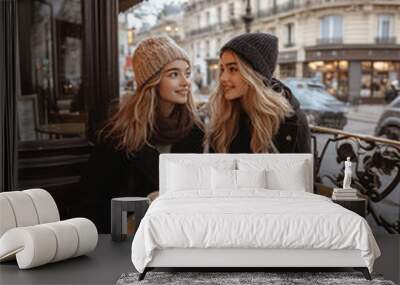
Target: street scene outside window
340	59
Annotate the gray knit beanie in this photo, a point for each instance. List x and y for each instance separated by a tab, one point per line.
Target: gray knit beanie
152	54
260	50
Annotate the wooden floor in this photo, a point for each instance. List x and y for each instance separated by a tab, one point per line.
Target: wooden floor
110	260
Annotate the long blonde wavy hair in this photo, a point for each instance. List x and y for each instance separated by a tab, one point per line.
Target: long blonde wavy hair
132	126
265	107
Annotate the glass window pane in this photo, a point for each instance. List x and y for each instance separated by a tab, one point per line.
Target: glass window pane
384	26
325	27
219	14
52	105
207	18
385	29
232	10
337	27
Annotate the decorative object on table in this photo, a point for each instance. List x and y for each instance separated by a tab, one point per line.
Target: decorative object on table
31	230
243	278
121	209
358	205
344	194
347	174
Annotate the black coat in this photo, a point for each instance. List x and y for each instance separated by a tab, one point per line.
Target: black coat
112	173
293	135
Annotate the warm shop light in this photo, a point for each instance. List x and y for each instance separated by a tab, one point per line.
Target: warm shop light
130	37
343	64
314	65
381	65
214	66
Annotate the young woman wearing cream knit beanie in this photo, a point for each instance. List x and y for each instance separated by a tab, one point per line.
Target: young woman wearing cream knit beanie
159	118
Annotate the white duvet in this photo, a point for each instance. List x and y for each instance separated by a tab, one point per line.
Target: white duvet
253	218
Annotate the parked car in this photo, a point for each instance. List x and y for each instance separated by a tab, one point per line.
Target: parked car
389	122
320	107
392	91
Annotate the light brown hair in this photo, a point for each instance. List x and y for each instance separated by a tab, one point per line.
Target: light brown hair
132	126
265	107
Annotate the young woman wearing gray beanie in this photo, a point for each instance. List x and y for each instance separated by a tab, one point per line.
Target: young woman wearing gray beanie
251	111
159	118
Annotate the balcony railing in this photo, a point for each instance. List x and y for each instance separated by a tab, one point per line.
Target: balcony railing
288	45
329	41
376	175
296	4
382	40
231	22
277	9
286	7
201	30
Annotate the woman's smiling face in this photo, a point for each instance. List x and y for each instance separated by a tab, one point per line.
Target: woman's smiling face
233	84
175	82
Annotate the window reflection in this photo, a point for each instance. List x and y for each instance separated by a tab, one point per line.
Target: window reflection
52	105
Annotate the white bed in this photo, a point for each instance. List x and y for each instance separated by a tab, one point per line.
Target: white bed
247	210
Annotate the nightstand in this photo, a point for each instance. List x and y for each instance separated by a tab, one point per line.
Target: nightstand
120	208
358	205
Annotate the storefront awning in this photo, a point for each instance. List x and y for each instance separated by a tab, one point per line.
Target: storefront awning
126	4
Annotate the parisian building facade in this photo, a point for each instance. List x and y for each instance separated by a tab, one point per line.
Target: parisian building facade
352	46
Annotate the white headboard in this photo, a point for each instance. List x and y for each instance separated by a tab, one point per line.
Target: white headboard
212	158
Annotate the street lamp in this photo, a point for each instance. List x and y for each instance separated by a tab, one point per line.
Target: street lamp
247	17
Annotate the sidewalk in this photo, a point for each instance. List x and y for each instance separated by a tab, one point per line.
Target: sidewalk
365	113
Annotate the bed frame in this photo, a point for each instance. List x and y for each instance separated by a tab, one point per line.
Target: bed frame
256	258
250	258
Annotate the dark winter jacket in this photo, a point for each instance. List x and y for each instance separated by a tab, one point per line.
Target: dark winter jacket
293	135
111	173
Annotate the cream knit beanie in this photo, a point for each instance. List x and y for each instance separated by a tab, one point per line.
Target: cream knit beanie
152	54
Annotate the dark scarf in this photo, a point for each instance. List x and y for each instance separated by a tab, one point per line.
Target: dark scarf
174	128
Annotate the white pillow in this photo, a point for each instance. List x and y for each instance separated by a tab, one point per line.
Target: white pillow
223	179
237	179
186	174
281	174
251	179
188	177
291	179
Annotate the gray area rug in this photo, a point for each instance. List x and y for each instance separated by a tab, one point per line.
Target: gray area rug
229	278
